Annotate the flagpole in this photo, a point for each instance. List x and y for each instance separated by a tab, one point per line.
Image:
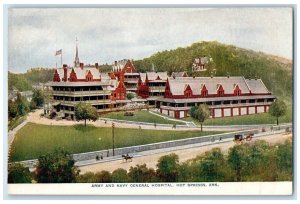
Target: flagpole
55	58
61	58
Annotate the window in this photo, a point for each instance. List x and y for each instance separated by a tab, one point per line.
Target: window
188	93
237	92
221	93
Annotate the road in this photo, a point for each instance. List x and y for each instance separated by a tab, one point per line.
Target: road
184	155
35	118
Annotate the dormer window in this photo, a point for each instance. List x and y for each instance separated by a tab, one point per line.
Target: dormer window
237	90
188	91
204	91
220	93
89	76
220	90
188	94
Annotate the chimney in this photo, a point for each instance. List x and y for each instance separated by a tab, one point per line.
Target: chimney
81	65
116	63
65	72
97	65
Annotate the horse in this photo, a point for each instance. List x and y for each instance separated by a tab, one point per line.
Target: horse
249	137
127	157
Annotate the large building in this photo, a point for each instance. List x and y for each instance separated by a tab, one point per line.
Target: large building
151	85
174	96
83	84
200	64
125	71
225	96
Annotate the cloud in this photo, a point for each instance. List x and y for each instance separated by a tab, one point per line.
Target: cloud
110	34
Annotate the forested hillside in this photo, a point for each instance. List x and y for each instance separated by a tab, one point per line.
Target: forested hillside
24	82
276	72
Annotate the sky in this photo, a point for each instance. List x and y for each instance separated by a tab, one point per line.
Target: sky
108	34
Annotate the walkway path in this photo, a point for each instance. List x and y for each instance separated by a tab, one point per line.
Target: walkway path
35	118
167	118
12	133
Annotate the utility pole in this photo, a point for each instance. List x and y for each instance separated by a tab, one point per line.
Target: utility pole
113	137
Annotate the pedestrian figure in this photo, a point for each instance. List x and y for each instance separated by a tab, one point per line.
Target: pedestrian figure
220	139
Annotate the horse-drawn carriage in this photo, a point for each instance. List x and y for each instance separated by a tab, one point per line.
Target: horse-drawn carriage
240	138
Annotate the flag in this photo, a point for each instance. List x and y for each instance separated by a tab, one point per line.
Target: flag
58	52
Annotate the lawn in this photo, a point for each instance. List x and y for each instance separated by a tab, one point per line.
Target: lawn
34	140
140	116
262	118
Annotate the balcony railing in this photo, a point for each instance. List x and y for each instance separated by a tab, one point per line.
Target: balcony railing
132	79
81	93
95	102
157	89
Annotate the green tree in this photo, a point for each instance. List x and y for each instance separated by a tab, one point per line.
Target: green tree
88	177
261	154
278	109
167	168
19	81
140	173
130	96
12	109
103	177
22	105
284	156
201	113
17	173
185	173
38	97
56	167
212	166
238	161
32	105
84	111
119	176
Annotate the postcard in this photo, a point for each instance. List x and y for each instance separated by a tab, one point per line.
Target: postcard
150	101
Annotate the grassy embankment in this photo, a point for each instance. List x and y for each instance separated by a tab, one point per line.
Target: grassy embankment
34	140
